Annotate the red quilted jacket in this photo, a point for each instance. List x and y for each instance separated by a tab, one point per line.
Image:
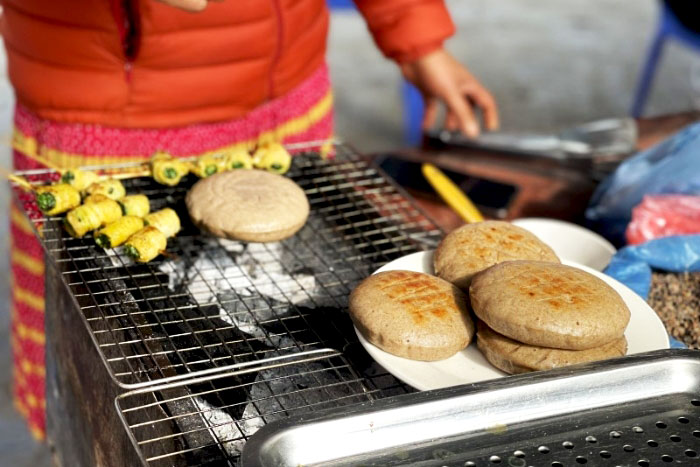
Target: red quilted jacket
140	63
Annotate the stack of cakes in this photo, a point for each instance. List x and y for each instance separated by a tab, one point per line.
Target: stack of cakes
533	312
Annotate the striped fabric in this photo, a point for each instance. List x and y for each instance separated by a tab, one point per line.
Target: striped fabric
27	317
305	114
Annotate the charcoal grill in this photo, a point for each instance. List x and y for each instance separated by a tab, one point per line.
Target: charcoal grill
200	348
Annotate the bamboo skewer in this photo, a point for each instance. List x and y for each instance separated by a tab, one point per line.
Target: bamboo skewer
16	179
144	165
144	172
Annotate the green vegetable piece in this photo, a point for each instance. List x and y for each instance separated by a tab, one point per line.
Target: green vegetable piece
67	177
210	170
237	165
170	172
276	166
46	201
103	241
132	252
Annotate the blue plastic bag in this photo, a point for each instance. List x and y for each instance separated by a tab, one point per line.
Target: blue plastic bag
672	166
633	265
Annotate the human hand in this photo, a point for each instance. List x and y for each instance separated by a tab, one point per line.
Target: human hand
188	5
439	77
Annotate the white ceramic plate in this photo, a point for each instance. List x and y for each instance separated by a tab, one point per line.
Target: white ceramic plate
645	332
571	242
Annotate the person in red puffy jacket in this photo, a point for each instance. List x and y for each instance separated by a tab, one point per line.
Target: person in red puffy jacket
105	81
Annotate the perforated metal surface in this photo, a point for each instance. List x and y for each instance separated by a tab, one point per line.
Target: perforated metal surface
648	433
213	304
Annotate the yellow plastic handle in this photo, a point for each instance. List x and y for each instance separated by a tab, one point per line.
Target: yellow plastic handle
452	194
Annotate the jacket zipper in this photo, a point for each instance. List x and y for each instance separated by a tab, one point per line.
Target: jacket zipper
126	16
278	48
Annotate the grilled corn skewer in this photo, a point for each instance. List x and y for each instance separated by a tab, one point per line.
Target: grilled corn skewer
118	231
91	216
166	170
135	205
94	198
273	158
165	220
112	189
57	199
145	244
238	159
207	165
79	179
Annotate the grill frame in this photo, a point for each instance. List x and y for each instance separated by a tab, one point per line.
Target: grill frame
348	190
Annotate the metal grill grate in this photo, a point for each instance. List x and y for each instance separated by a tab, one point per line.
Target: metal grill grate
214	304
220	337
208	422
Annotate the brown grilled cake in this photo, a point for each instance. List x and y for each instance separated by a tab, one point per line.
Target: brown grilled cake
248	205
475	247
548	305
412	315
515	357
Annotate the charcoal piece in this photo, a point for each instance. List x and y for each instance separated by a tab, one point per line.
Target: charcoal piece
292	389
314	327
205	432
214	419
250	271
154	422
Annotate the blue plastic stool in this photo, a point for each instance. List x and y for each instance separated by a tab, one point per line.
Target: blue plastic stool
669	28
340	4
412	113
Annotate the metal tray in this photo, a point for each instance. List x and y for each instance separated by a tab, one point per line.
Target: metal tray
641	410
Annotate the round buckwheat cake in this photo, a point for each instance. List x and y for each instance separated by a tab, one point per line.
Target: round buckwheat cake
548	305
475	247
248	205
515	357
412	315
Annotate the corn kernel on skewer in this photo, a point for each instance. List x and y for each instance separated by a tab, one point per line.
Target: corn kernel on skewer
118	232
57	199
